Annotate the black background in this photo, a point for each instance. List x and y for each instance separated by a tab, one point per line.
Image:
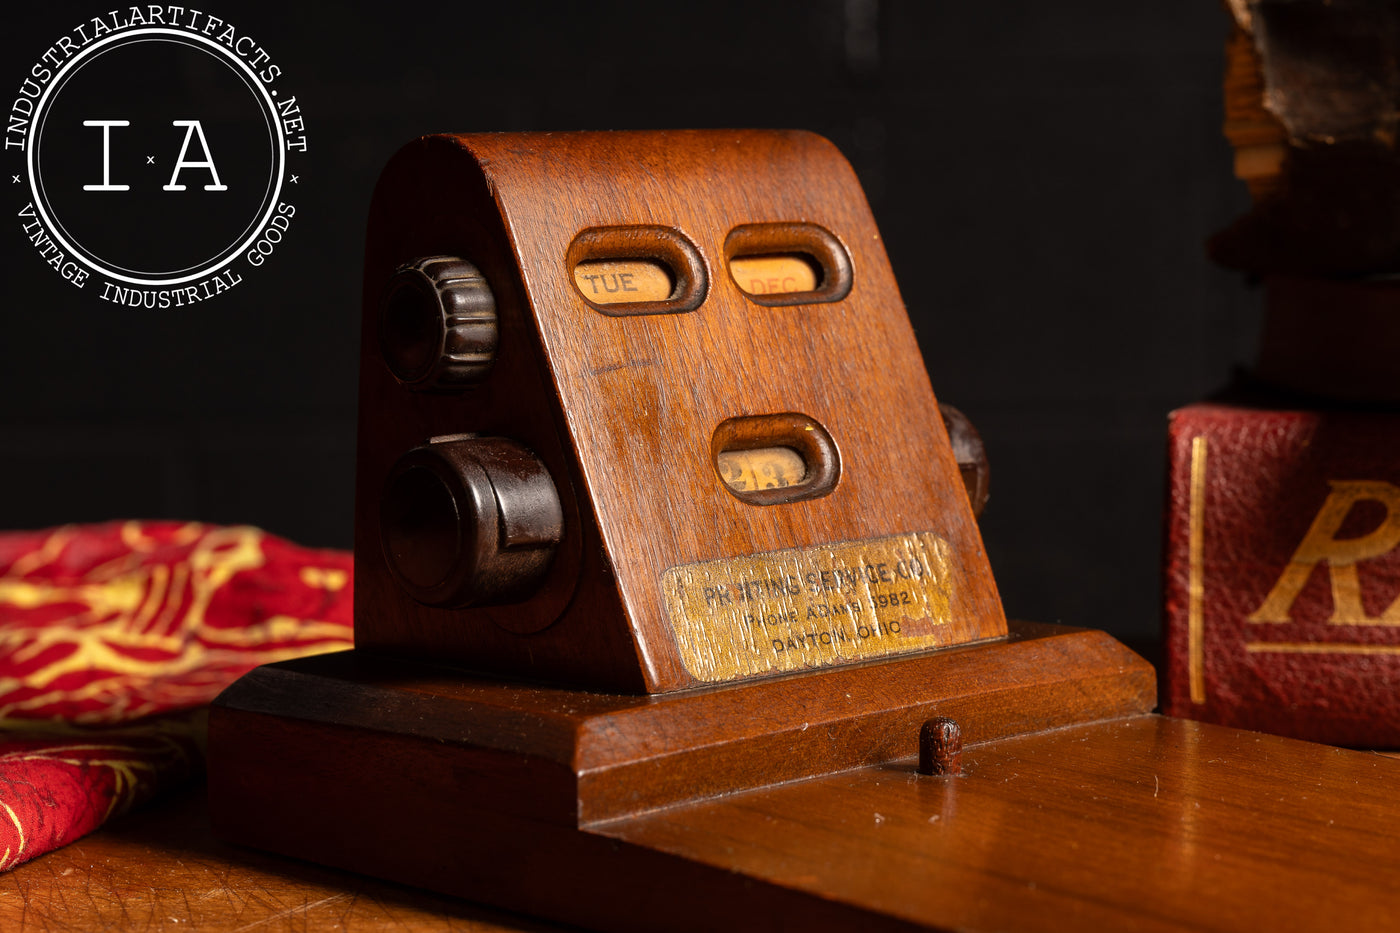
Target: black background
1044	175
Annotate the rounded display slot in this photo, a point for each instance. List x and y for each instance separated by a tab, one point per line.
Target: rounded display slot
631	270
624	281
772	459
788	263
777	274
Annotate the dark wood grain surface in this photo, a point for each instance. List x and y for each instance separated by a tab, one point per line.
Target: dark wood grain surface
1143	824
1122	821
569	757
161	869
1146	823
490	790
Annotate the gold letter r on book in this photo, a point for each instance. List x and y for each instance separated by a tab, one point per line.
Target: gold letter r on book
1321	543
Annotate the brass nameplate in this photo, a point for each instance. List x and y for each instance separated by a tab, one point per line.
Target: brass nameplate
810	607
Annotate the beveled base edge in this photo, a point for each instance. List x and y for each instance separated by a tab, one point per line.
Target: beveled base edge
486	790
608	756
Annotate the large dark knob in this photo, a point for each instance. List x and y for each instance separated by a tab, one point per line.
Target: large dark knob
437	324
470	521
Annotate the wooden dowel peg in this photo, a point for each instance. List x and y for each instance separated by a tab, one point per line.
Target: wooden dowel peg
940	747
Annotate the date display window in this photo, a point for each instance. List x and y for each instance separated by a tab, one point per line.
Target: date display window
773	459
761	468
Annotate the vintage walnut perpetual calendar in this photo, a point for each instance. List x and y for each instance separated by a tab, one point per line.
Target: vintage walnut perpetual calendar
562	404
666	574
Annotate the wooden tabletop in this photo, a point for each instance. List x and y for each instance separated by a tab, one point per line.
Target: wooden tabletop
1145	823
161	869
1164	820
1142	823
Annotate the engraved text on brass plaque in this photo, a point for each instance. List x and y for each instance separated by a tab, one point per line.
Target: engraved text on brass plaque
810	607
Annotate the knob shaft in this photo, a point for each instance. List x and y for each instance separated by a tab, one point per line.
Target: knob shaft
971	455
470	521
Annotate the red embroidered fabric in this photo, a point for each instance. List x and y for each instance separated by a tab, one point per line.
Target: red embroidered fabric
114	637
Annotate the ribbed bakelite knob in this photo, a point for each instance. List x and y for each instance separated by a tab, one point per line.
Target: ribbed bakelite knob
437	324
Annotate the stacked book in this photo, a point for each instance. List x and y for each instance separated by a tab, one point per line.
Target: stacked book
1283	520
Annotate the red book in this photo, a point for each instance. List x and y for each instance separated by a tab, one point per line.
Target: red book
1283	572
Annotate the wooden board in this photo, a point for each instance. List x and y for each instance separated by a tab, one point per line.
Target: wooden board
490	790
1119	820
575	757
162	870
1144	824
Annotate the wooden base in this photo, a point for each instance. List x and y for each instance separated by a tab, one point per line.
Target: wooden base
575	758
794	802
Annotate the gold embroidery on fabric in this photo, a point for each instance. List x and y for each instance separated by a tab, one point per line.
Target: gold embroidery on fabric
160	608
